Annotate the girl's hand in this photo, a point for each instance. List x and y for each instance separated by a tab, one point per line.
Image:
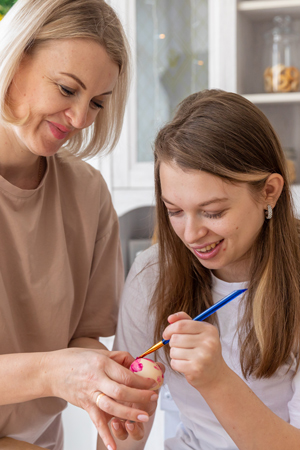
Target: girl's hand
195	350
80	375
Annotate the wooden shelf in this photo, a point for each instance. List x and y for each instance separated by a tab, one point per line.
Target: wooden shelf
265	99
267	9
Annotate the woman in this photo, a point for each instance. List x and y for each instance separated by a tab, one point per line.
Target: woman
63	87
224	222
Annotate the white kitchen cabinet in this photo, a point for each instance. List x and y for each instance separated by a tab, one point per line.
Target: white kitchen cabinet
235	44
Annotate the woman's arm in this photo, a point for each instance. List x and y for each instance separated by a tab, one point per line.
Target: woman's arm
196	352
78	376
135	433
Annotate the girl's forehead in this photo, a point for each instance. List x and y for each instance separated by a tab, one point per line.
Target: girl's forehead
197	185
171	172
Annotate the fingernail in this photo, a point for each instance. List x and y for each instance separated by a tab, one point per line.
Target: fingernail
109	447
143	418
130	426
116	425
154	397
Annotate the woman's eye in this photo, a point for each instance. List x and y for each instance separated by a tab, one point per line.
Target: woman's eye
66	91
97	105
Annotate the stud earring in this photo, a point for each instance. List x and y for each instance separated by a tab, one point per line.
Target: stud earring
269	212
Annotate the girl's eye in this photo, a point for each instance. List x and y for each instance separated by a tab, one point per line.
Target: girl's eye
213	215
66	91
172	213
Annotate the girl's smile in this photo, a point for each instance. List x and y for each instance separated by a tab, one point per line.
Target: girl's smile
218	221
208	251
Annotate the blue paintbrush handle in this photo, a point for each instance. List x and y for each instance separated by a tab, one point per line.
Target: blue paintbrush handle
214	308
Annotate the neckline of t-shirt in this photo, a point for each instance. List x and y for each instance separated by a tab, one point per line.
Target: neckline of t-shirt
18	192
224	287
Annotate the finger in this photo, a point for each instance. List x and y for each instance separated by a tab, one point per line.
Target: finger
123	376
100	421
124	394
161	365
115	409
182	354
188	327
186	341
178	316
123	358
182	366
135	430
118	429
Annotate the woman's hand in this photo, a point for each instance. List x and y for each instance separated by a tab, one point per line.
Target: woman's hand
195	349
123	429
80	375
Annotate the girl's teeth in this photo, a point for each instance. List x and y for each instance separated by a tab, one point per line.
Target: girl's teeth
208	247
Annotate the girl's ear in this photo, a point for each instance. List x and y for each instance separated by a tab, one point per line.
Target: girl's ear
273	189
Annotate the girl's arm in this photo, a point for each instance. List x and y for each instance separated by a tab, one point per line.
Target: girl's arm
134	439
196	352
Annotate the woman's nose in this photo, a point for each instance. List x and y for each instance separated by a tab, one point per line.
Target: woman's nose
78	116
194	231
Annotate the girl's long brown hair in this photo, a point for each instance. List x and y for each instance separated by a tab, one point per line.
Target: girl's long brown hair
226	135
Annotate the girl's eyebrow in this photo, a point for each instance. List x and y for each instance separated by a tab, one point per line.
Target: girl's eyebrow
71	75
213	200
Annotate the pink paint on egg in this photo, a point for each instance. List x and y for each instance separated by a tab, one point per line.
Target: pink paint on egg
148	369
136	366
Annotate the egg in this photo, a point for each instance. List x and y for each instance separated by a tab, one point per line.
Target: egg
148	369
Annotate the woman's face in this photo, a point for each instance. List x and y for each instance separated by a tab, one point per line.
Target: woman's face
217	221
64	85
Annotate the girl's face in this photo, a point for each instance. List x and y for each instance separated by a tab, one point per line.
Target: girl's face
64	85
217	221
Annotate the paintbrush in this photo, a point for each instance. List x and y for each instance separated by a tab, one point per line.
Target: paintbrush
208	312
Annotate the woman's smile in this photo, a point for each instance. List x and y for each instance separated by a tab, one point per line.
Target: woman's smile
61	93
58	131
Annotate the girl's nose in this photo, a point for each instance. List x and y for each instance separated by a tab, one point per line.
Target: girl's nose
194	230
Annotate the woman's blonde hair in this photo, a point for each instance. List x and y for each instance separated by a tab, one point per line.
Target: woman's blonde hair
31	23
226	135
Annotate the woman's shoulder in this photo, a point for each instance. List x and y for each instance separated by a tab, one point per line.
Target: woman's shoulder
76	169
79	180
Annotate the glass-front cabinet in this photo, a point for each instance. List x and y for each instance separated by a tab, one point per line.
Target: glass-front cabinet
182	46
170	55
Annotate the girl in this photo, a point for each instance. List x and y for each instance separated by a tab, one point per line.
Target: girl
63	86
224	222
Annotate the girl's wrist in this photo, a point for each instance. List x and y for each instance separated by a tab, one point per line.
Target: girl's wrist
217	383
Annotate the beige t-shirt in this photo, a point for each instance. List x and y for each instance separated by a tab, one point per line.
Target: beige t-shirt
61	275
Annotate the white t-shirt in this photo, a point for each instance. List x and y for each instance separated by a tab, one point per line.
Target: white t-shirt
199	428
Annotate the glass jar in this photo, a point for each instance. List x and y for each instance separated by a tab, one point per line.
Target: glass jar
281	59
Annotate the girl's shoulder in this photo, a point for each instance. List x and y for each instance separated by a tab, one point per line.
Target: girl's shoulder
146	262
